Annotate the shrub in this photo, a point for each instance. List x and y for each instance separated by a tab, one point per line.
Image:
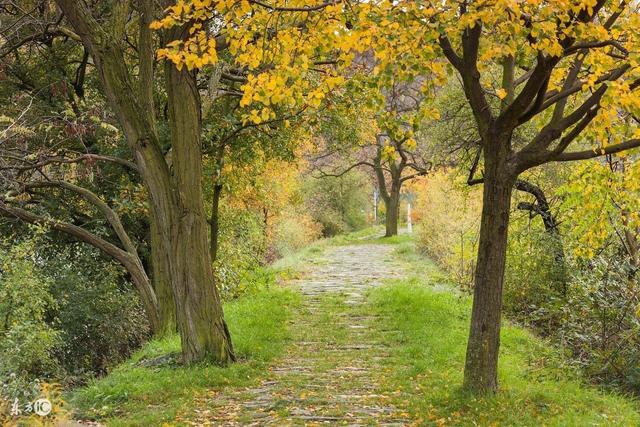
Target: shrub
535	285
339	204
27	341
601	324
66	314
242	249
294	231
100	318
449	236
588	305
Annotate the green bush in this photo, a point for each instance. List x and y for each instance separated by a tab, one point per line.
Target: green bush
27	340
535	285
66	314
587	306
101	321
242	249
601	322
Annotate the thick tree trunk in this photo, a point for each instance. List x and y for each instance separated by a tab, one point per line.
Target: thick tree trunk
176	204
203	331
481	367
161	279
393	210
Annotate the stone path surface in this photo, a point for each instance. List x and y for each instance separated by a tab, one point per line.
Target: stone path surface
331	373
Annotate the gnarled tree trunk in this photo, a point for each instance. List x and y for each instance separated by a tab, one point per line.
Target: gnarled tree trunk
161	280
175	201
203	331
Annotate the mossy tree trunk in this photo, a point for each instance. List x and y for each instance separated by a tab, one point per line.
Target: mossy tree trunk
175	197
161	280
199	310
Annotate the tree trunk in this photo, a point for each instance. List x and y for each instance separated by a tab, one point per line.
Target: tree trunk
481	367
161	279
176	203
391	198
214	221
393	209
147	295
203	331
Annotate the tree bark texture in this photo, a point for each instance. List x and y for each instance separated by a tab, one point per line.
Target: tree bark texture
175	197
393	210
481	366
200	320
161	280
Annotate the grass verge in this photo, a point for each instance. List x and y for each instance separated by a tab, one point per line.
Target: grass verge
151	388
537	387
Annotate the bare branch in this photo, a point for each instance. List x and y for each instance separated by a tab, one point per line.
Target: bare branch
590	154
112	217
295	9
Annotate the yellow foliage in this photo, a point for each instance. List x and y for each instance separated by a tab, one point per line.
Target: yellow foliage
601	202
449	236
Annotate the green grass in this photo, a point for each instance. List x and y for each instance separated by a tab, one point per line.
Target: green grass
135	395
537	387
423	319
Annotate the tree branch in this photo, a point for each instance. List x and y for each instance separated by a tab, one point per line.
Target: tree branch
112	217
295	9
81	158
590	154
80	233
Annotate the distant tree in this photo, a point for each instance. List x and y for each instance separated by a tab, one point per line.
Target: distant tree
395	111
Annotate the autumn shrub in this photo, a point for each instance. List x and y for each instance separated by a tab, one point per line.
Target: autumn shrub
242	250
294	231
339	204
449	223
